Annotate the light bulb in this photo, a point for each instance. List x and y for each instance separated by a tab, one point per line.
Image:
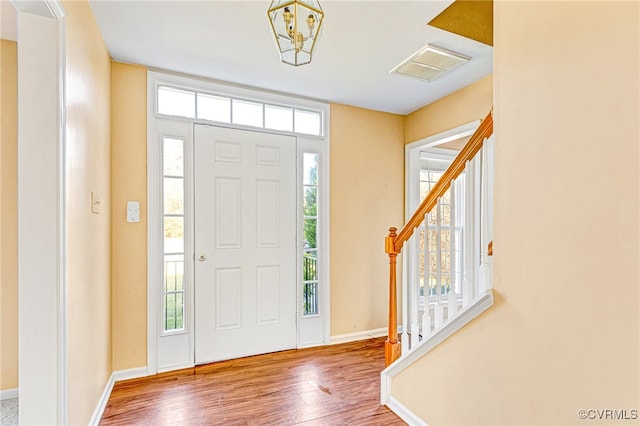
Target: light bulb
311	23
287	16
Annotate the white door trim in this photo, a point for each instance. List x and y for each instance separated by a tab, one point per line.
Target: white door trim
37	273
412	156
412	185
305	143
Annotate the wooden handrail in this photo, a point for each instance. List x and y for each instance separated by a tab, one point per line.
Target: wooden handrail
394	242
440	188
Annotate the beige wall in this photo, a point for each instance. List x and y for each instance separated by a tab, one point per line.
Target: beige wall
8	216
129	240
367	175
564	332
464	106
88	95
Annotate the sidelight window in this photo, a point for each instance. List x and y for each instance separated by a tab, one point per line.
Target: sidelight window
173	290
310	232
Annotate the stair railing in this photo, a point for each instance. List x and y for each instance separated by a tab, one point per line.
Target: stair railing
469	201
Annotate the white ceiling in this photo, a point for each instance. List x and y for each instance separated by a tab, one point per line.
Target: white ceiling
230	41
8	20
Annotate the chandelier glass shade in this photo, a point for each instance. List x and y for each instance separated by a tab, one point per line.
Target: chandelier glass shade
296	26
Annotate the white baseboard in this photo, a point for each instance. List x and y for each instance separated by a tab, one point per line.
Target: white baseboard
404	413
132	373
102	402
116	376
358	335
8	394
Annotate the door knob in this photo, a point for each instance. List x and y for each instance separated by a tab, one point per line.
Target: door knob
202	257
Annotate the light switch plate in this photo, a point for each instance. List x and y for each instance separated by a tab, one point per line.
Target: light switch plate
95	203
133	211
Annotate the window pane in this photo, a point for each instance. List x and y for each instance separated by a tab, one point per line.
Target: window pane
310	233
173	235
310	294
169	310
310	207
310	266
173	101
310	169
307	122
173	157
247	113
278	118
173	272
173	191
173	311
179	311
214	108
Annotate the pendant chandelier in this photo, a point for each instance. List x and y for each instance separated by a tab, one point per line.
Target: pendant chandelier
296	26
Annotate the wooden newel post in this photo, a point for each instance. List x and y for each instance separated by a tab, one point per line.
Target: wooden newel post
392	346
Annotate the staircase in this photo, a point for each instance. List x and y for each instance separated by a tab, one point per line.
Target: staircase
446	247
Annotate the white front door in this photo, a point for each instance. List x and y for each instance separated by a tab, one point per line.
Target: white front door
245	243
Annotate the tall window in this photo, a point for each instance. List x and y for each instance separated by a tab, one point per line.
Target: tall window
310	228
173	247
438	253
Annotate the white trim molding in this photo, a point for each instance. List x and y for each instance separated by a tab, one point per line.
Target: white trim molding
116	376
42	168
358	335
102	402
404	413
132	373
8	394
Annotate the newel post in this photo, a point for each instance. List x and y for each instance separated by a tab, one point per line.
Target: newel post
392	346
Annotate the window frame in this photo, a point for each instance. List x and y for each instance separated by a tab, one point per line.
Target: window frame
305	108
185	273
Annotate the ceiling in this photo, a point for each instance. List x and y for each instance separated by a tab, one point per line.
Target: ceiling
8	24
230	41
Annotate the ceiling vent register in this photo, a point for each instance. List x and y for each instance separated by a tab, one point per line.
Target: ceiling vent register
429	63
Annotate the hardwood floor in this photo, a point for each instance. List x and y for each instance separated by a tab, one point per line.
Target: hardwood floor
330	385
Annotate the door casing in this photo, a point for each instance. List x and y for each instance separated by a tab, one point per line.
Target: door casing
312	330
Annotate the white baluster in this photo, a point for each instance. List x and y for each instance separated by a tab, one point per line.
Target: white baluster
415	334
426	323
406	297
453	297
490	170
484	222
426	273
415	288
477	212
404	339
467	283
438	311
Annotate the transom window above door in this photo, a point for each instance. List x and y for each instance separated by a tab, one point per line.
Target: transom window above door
180	102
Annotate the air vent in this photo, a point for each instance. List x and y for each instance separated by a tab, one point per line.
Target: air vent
429	63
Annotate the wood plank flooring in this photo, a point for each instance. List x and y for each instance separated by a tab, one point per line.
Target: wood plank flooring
330	385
